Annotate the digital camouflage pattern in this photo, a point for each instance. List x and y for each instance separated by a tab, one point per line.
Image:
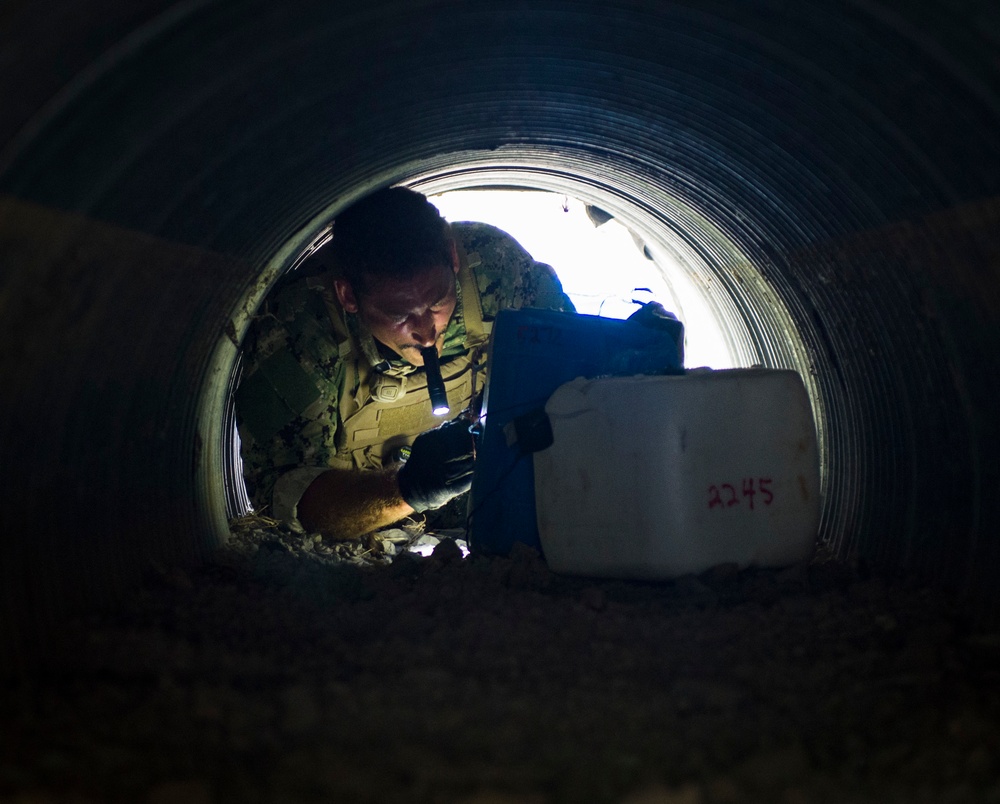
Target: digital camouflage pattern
295	367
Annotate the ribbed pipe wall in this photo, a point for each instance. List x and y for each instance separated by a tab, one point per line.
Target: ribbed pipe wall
830	171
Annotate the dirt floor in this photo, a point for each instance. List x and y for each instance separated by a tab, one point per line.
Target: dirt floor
284	672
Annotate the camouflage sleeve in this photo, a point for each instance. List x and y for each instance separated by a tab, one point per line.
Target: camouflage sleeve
287	400
507	274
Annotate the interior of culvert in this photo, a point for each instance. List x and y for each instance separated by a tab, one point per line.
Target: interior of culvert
829	171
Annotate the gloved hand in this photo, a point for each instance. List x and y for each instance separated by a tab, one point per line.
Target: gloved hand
439	467
653	314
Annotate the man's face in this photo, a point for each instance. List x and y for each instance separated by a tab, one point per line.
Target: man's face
406	314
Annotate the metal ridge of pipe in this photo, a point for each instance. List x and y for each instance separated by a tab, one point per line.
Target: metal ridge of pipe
836	227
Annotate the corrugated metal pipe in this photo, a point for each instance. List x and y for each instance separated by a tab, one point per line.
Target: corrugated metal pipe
829	173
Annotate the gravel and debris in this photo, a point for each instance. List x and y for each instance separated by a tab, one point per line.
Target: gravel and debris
288	669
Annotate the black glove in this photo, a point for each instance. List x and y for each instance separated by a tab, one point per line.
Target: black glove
654	314
439	467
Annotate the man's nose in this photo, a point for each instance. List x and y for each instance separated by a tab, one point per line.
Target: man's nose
423	330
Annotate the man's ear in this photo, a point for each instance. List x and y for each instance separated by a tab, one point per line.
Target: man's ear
454	256
345	295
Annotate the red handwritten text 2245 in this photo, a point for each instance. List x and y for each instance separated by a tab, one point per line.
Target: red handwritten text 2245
756	491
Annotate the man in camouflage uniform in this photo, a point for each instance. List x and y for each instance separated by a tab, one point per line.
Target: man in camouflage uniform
333	388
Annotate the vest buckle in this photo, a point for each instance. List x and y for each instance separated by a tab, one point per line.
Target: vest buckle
386	389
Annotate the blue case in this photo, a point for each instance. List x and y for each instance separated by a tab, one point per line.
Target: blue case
533	352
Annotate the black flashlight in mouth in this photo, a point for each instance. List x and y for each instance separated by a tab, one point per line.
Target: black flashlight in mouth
435	385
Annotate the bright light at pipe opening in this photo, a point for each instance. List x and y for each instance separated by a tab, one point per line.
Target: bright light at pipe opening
604	268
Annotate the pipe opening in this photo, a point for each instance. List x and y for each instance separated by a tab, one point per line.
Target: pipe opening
732	315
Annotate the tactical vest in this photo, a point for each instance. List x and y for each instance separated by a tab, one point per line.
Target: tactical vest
381	411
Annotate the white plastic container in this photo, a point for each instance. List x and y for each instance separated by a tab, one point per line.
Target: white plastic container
656	477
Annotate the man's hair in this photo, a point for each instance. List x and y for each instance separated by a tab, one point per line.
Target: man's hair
393	233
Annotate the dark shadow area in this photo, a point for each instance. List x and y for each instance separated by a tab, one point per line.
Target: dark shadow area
277	672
